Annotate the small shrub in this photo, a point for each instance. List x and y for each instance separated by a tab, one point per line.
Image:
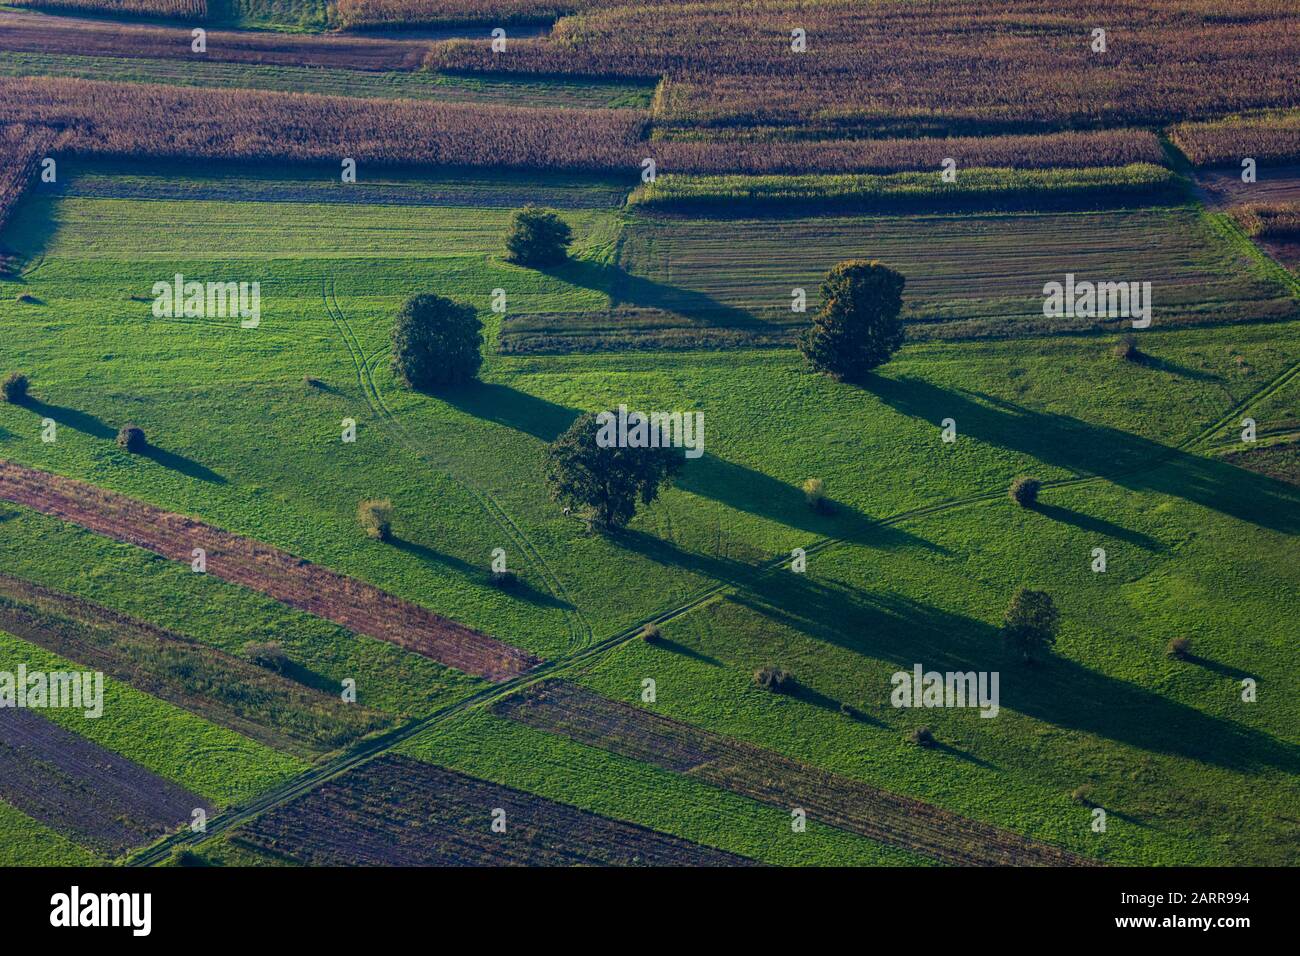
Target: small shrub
814	492
189	858
505	580
131	437
15	388
851	712
1083	796
312	382
650	633
1024	491
26	299
922	737
268	654
1179	649
1127	350
375	516
770	677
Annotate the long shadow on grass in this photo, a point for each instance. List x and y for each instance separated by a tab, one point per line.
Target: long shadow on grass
71	418
186	466
512	408
1058	691
1086	449
624	288
520	589
1098	526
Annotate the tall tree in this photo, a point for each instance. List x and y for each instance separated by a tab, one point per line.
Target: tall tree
606	482
1030	623
537	237
858	328
436	342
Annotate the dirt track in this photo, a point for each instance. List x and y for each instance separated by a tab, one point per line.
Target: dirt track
254	564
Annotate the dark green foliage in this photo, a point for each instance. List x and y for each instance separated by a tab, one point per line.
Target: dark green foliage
131	437
537	237
14	388
858	327
268	654
375	516
436	342
606	482
1180	648
1024	491
1030	623
922	737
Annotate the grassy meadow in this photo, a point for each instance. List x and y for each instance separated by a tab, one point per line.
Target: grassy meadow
915	563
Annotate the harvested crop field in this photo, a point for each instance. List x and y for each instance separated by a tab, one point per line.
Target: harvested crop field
35	33
691	282
106	802
1273	184
396	811
227	690
570	710
354	604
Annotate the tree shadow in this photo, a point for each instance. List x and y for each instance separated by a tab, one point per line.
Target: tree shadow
520	589
674	647
625	288
512	408
179	463
71	418
1058	691
1214	667
960	754
1173	368
307	677
1082	448
1097	526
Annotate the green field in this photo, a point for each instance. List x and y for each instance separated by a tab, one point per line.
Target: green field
915	564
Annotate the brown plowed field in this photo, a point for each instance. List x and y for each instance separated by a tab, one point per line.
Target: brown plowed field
561	707
354	604
396	811
102	800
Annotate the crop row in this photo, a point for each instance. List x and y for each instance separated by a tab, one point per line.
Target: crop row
21	148
223	689
356	605
131	120
362	14
395	811
1271	138
28	33
896	190
570	710
189	9
964	65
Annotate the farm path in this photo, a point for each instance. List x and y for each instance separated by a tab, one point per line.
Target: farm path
370	749
580	632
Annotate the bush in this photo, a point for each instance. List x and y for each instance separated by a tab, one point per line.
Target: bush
922	737
436	342
1180	648
1024	491
851	712
1030	623
650	633
537	237
814	492
1127	350
1083	796
14	388
375	516
268	654
312	381
858	328
131	437
771	677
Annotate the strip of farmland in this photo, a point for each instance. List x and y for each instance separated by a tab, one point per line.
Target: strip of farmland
219	687
21	148
573	711
396	811
254	564
104	801
36	33
690	284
